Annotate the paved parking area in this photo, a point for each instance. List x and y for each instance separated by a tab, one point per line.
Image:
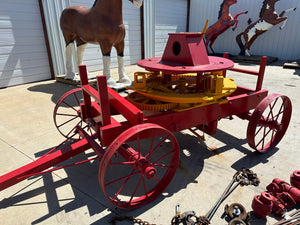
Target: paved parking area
73	195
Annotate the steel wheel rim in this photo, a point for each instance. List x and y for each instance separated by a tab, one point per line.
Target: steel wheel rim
236	222
67	114
129	188
269	122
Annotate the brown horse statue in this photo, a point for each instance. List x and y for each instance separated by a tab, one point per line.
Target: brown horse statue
225	20
268	18
102	24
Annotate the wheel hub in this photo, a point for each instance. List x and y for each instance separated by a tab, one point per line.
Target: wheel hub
272	124
145	168
141	163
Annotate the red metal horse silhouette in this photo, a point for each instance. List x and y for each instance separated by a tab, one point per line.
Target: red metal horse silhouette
102	24
225	20
267	19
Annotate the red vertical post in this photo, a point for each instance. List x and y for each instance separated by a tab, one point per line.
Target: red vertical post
103	99
261	72
199	84
86	111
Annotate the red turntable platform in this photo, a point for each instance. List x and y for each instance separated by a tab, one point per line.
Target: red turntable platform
185	53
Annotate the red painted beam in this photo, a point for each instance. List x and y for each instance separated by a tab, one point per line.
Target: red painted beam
126	108
43	163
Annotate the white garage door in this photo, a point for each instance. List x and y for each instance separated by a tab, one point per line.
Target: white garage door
170	17
92	56
23	54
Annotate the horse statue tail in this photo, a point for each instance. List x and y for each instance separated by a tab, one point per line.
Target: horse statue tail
239	41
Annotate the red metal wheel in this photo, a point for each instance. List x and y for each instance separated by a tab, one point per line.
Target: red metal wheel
269	122
67	114
138	165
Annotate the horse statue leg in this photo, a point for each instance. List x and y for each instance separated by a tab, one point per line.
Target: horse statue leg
240	43
106	46
106	71
80	51
212	41
70	74
69	64
123	78
81	45
208	38
282	13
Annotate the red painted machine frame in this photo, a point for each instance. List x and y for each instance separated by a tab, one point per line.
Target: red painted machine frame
98	110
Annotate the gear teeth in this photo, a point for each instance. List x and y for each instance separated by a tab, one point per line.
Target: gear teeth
158	106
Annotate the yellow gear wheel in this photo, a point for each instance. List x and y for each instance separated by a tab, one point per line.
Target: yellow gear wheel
144	103
181	92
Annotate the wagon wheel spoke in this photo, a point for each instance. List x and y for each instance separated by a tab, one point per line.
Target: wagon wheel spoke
269	122
152	150
122	178
124	183
139	144
138	165
163	157
67	114
261	142
121	163
160	165
70	106
145	188
73	129
135	190
64	114
66	122
157	179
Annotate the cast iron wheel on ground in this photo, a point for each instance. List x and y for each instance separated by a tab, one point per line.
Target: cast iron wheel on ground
269	122
135	170
67	114
236	222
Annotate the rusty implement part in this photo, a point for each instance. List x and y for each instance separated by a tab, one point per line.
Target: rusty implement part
286	199
237	222
128	218
278	207
292	218
237	211
262	204
295	179
188	218
243	177
279	186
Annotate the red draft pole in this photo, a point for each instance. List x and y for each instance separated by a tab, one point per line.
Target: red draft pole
43	163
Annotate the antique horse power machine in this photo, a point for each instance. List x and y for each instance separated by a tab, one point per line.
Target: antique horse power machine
133	137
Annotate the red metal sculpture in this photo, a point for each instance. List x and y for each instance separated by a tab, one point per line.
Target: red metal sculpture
102	24
268	18
225	20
